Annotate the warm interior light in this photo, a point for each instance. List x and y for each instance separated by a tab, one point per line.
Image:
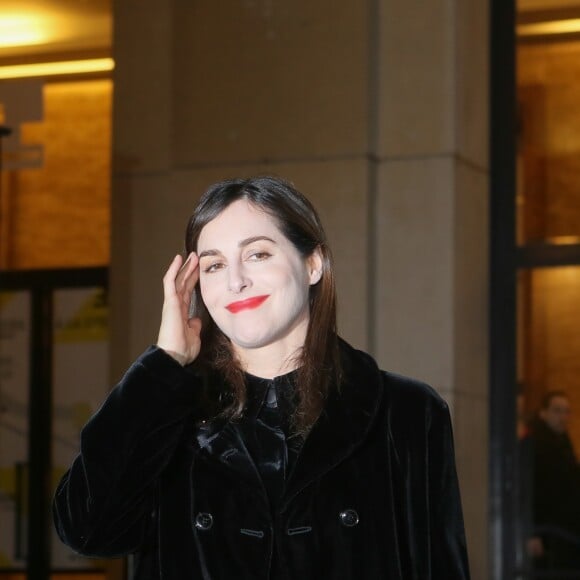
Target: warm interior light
21	30
69	67
568	26
564	240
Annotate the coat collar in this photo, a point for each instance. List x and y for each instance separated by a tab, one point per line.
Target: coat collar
347	417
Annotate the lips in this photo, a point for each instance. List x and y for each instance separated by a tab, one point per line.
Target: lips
247	304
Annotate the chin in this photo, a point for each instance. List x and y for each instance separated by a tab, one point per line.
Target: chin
250	340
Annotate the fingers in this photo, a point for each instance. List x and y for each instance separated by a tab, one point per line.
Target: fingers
170	275
188	275
181	277
179	335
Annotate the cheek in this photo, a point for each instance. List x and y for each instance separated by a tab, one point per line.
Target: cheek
207	289
287	282
296	287
291	273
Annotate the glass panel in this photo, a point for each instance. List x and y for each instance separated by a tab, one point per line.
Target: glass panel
549	421
15	331
549	142
81	367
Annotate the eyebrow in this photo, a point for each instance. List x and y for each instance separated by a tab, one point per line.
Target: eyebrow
241	244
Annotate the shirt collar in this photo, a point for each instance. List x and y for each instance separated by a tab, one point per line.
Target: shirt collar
257	390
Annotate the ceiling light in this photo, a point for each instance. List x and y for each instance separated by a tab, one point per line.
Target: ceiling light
563	240
551	27
69	67
21	30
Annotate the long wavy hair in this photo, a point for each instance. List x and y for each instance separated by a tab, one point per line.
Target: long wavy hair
318	363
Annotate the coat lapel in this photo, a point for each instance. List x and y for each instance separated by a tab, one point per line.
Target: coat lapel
344	423
348	415
222	445
221	441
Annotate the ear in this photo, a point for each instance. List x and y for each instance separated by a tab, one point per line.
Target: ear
314	265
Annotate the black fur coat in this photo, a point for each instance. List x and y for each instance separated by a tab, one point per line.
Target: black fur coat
373	494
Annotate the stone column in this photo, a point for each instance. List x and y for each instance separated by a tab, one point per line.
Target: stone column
431	222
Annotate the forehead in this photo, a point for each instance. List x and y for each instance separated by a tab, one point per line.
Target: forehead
239	221
559	403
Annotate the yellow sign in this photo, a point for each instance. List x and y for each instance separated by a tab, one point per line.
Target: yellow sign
90	323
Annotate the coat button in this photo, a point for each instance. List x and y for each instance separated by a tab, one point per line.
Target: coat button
203	521
348	518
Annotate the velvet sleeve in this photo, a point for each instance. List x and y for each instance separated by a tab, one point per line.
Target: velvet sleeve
104	503
448	546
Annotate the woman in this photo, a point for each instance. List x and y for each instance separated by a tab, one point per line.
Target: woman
251	442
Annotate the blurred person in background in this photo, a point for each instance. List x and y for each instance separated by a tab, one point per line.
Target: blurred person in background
555	543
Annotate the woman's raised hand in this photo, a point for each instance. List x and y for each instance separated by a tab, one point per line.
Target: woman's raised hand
179	335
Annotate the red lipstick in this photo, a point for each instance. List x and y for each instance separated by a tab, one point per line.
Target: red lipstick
247	304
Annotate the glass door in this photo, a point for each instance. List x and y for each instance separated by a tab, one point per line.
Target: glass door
547	236
53	374
548	421
15	334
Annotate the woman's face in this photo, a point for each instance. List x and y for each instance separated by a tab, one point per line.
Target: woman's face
253	281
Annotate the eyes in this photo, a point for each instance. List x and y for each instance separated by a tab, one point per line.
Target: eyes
213	267
216	264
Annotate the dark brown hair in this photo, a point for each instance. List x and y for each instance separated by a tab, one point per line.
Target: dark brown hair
318	362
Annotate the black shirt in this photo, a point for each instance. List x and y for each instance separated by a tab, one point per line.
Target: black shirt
266	429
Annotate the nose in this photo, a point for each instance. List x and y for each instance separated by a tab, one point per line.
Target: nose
237	280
